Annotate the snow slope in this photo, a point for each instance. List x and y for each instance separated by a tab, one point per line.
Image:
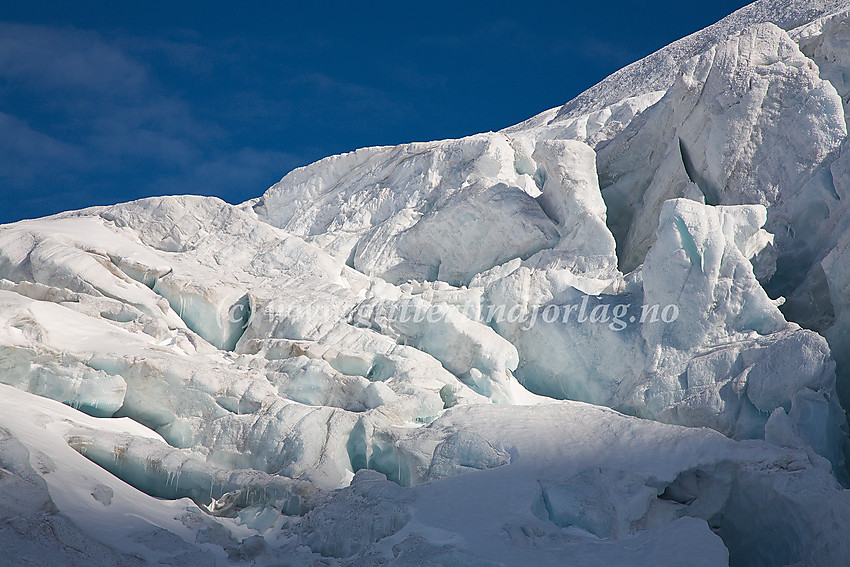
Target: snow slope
614	334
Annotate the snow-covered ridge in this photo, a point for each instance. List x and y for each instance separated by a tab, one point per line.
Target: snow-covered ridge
616	332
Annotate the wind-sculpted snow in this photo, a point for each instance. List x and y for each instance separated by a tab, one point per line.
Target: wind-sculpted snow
429	355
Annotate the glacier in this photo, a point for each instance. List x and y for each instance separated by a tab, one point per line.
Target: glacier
616	333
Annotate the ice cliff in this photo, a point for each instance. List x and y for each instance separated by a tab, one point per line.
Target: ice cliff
614	334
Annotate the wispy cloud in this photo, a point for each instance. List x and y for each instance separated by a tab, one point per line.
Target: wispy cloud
97	97
98	117
66	59
236	176
26	149
85	117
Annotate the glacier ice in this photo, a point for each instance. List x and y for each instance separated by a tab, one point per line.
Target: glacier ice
416	211
710	366
616	332
749	121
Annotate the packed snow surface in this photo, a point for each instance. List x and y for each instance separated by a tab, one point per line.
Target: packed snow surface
614	334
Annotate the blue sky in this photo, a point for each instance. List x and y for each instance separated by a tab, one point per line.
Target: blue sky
102	102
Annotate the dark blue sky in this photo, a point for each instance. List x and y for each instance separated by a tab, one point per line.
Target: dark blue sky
102	102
